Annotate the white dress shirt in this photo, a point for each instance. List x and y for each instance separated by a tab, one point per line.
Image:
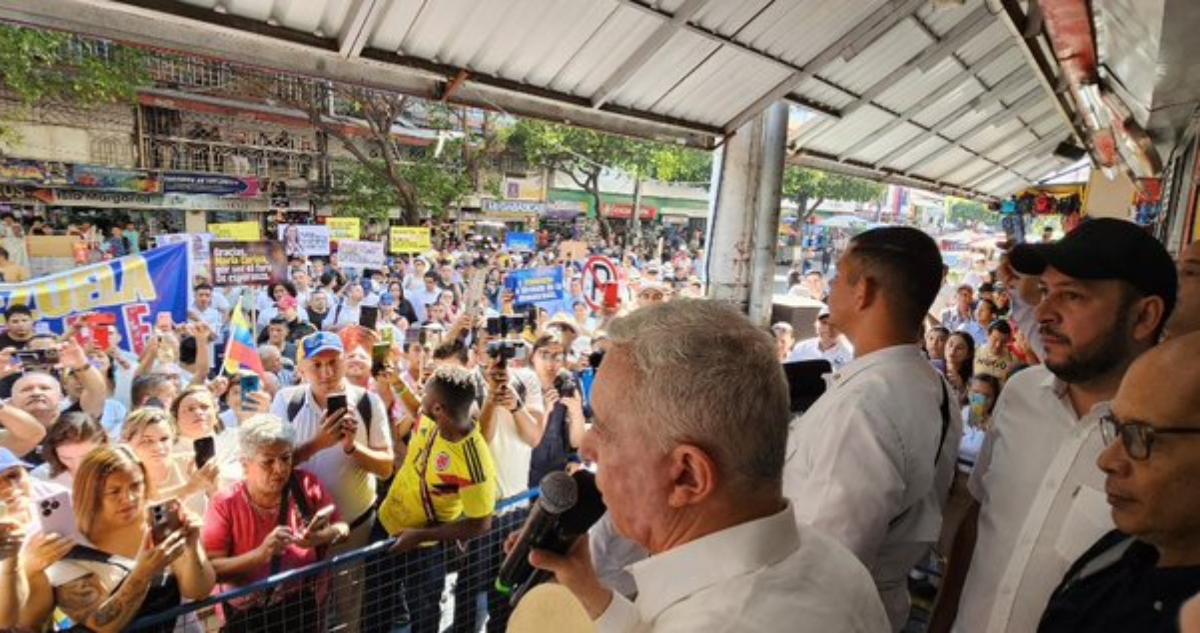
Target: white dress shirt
840	355
765	575
1043	503
861	465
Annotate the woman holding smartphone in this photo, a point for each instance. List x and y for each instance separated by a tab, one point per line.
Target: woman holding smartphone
151	434
126	568
277	518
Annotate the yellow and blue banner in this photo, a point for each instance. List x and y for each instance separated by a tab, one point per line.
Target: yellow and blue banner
134	289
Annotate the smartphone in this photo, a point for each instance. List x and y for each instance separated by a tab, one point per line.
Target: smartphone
55	514
334	402
101	337
321	517
379	357
38	358
249	383
206	449
164	519
368	316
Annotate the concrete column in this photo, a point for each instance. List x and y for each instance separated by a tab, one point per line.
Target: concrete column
744	213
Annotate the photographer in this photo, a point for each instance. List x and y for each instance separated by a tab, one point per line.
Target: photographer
563	424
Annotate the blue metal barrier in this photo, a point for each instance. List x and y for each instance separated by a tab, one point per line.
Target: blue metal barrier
315	570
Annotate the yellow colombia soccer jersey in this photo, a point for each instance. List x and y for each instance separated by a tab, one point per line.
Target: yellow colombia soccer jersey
461	480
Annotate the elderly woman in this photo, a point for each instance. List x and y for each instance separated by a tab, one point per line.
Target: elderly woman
121	572
276	519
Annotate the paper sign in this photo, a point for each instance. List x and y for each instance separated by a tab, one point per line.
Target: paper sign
236	231
410	239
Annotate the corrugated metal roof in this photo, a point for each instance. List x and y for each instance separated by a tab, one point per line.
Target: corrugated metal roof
907	87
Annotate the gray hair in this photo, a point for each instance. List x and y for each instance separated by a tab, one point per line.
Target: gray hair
264	430
706	376
267	350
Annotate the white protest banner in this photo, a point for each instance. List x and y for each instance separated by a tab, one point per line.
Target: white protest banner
199	254
359	254
304	240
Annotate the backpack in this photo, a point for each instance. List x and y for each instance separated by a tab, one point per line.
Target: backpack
296	402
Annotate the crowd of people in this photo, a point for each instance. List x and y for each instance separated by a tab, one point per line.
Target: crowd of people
1035	443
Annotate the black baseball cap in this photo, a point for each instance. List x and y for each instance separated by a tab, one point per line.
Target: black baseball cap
1105	248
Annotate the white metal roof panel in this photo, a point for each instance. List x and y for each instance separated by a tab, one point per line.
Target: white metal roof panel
632	66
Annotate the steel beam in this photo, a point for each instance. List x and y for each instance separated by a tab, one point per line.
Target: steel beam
360	23
889	16
648	49
825	162
153	28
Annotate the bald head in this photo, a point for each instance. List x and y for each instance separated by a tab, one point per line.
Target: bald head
1160	385
1186	316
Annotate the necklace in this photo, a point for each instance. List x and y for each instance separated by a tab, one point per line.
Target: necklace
261	509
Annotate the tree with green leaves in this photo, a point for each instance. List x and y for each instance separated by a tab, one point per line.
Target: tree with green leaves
969	213
810	188
39	67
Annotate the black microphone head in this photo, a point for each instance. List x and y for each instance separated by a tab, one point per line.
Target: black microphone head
559	493
589	506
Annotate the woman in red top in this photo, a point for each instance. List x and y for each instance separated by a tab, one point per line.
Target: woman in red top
274	520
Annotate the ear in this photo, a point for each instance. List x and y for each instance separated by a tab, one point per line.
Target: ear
694	476
866	292
1151	312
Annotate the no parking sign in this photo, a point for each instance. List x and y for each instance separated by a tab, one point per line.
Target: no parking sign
599	274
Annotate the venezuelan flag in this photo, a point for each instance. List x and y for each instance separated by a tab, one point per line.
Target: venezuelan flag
241	352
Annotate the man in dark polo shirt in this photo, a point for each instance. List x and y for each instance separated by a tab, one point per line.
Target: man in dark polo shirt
1137	577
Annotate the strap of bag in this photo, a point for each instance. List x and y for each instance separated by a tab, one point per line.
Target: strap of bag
944	409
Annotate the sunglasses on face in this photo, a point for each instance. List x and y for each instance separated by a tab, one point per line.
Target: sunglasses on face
1136	437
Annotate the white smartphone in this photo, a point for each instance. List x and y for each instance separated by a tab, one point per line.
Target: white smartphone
321	517
56	515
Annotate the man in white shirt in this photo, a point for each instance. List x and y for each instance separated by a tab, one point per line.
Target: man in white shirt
828	344
694	476
871	462
977	328
963	311
1040	495
347	453
425	296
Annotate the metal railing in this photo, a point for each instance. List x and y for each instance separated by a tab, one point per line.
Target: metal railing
370	590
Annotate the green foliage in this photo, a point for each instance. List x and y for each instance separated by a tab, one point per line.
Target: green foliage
968	213
803	185
670	163
42	65
364	193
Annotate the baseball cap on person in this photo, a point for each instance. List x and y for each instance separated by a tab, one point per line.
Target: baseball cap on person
387	299
1105	248
314	344
9	461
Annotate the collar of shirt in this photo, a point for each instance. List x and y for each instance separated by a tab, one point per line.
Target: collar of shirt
668	578
887	355
1058	387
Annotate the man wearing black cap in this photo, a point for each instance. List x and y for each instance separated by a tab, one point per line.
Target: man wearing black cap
1107	289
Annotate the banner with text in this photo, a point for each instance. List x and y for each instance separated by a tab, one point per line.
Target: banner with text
304	240
133	289
520	242
240	263
536	285
356	254
343	228
410	239
236	231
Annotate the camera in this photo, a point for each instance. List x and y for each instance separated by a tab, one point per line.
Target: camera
506	326
38	359
506	350
565	385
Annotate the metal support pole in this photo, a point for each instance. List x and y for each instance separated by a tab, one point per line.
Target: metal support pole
744	214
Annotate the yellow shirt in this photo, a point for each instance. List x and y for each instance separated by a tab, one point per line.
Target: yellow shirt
460	478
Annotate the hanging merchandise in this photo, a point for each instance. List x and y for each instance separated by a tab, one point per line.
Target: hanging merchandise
1009	207
1014	228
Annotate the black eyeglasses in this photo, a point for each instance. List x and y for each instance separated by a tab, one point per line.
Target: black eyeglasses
1137	437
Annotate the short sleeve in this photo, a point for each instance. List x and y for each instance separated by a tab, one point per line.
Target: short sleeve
380	434
217	532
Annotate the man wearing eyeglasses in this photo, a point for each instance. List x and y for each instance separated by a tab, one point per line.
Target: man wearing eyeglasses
1137	577
1106	291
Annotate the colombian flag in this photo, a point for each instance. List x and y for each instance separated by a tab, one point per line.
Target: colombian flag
241	352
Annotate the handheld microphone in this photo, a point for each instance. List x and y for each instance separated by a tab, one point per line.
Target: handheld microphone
566	509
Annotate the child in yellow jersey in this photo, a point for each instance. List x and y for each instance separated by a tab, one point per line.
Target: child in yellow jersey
445	492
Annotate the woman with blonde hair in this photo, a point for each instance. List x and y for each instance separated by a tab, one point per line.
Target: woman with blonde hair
125	569
151	433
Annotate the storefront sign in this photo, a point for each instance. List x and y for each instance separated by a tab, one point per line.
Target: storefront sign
513	206
99	199
625	211
343	228
357	254
212	184
96	178
410	239
134	289
241	263
33	172
214	203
